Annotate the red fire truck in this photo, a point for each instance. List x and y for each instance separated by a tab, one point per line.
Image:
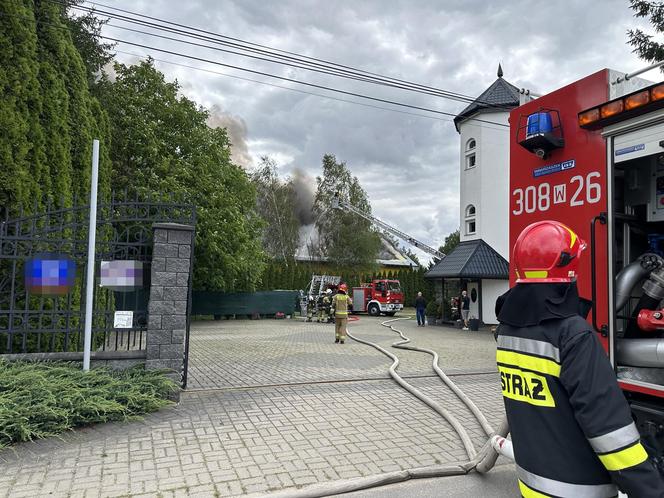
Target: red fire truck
591	155
379	296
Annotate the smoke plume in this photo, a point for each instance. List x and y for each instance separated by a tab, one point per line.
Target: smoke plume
304	186
237	133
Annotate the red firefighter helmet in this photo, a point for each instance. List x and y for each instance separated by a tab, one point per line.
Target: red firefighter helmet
343	288
547	252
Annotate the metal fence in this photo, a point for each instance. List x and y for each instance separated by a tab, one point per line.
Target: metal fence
33	323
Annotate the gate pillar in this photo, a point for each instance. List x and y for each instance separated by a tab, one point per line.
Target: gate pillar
170	295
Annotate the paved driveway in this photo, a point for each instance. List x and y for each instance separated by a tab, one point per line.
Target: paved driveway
250	353
317	412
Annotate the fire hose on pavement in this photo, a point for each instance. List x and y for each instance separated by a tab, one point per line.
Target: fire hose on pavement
481	461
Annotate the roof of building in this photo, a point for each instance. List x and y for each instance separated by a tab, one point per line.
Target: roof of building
471	259
501	93
388	255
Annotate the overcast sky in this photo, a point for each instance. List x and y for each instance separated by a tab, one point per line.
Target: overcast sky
408	164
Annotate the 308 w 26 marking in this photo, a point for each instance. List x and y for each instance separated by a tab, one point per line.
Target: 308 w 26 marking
539	198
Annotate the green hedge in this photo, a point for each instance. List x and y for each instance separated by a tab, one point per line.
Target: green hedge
39	400
295	276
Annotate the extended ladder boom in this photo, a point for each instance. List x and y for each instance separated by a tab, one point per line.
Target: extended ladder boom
339	204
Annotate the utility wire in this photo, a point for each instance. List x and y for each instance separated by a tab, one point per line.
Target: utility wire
321	95
283	78
355	73
243	45
298	66
177	54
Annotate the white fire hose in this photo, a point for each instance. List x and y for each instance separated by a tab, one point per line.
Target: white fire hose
503	446
482	461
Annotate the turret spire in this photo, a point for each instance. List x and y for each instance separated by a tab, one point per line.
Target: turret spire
500	71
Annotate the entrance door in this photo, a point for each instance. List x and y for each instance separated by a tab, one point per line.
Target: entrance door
474	295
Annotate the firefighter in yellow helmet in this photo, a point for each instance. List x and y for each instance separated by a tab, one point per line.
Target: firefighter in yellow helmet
572	430
341	302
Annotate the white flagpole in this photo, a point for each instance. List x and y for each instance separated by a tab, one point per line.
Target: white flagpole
92	232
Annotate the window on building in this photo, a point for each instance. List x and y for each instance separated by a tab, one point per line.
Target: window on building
470	219
471	145
470	161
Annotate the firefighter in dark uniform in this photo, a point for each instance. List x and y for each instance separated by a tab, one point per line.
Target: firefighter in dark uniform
311	306
324	309
572	430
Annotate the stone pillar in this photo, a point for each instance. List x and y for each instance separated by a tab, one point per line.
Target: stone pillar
169	293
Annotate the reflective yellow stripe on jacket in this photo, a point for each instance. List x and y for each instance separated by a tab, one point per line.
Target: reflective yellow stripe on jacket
528	362
619	449
522	363
341	305
624	459
535	486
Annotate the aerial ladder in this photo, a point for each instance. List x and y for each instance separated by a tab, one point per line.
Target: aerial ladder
337	203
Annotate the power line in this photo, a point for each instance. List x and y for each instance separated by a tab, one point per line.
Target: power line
322	87
357	74
243	45
164	61
177	54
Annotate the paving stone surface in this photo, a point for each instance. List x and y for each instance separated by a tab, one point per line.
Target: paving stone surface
242	353
320	419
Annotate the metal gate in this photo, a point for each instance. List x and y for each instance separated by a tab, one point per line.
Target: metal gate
33	323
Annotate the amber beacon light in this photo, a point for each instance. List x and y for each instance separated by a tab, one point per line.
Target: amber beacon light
634	104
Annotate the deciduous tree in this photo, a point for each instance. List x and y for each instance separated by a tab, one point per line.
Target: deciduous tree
346	239
162	145
275	201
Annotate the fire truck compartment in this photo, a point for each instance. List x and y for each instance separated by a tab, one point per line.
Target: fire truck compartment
361	296
637	265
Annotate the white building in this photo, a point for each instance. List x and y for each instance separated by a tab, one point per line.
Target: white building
479	263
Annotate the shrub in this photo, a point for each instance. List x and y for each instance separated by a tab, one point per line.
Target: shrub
39	400
432	308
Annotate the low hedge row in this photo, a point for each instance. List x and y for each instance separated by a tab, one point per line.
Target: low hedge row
39	400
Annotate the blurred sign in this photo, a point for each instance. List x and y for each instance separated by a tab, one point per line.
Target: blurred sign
50	275
121	275
123	320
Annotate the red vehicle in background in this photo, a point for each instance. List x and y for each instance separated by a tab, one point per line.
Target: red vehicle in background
379	296
591	155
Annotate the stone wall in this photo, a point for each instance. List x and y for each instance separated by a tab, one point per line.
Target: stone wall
169	293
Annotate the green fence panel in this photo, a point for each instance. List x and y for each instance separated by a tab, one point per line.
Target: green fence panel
244	303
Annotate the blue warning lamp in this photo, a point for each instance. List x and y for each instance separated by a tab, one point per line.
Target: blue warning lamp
539	122
541	133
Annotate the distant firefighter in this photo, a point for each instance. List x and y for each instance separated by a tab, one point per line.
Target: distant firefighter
324	306
341	303
311	305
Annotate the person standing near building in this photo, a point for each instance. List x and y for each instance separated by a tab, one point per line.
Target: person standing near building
420	306
572	429
465	309
341	303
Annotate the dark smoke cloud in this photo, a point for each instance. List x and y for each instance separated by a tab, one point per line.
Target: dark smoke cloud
305	186
237	133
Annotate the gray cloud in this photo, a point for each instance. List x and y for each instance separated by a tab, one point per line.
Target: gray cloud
409	165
